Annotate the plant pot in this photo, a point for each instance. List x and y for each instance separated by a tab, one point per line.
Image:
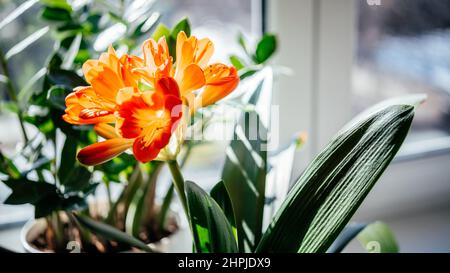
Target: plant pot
179	241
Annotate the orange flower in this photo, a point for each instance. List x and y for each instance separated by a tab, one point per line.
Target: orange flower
107	75
157	60
145	121
221	80
192	71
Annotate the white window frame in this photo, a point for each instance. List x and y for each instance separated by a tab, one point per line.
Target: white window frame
317	43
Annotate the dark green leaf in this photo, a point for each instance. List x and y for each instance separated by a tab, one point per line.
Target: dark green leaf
68	159
220	194
66	78
349	232
62	4
72	52
165	207
244	176
137	208
378	238
56	96
111	233
265	48
56	14
77	180
333	186
211	230
55	202
25	191
245	168
182	25
247	72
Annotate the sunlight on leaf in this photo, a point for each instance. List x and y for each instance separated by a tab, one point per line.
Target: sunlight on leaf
17	12
26	42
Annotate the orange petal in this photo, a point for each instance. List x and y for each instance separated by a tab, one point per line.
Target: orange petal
105	130
181	38
145	153
192	79
167	86
110	59
156	56
101	152
129	64
83	106
221	80
204	51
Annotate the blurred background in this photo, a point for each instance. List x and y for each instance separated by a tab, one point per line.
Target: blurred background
343	56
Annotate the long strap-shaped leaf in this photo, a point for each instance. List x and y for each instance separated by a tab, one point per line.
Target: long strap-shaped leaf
210	228
331	189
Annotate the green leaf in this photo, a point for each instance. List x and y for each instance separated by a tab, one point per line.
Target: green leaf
68	159
265	48
244	176
182	25
378	238
236	62
220	194
245	168
242	42
333	186
160	31
55	202
8	167
25	191
247	72
165	207
72	52
211	230
111	233
17	12
56	14
62	4
56	97
137	208
26	42
349	232
66	78
78	180
26	92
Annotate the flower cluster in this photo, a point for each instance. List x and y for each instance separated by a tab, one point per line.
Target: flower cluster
139	102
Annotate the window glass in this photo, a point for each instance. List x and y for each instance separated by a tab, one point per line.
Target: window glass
403	47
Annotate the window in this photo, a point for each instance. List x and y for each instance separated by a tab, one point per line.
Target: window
403	48
346	55
221	21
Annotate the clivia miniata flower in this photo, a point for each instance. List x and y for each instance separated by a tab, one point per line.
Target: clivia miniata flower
138	102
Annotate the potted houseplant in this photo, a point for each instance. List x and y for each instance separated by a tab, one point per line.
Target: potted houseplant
130	116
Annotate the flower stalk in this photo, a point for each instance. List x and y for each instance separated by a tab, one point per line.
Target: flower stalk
178	181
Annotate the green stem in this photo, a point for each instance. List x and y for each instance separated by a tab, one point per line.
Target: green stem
168	197
178	181
108	194
12	94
